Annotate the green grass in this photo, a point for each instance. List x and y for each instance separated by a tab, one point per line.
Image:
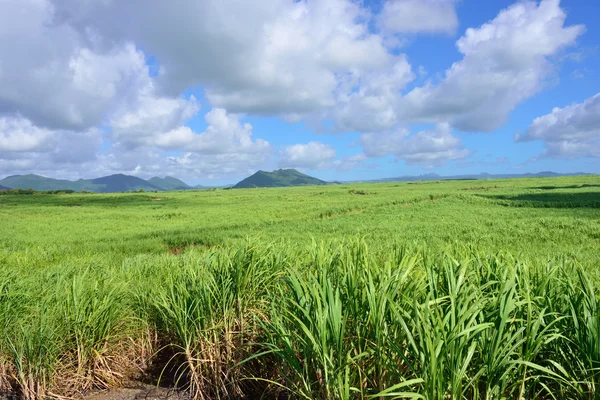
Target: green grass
465	289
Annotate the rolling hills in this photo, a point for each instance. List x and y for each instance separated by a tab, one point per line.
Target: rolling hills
37	182
169	183
279	178
106	184
123	183
483	175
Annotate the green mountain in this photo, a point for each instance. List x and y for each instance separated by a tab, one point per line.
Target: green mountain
4	188
123	183
169	183
107	184
279	178
37	182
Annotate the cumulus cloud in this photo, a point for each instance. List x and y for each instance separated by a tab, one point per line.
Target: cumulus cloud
428	148
57	76
224	135
505	62
20	135
73	73
24	147
149	161
572	131
414	16
260	57
313	155
317	156
369	103
62	77
151	116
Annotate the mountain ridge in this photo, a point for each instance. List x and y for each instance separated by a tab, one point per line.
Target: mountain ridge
482	175
169	183
105	184
278	178
123	183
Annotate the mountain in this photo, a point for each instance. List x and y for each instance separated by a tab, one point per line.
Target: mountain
169	183
279	178
484	175
282	177
37	182
123	183
107	184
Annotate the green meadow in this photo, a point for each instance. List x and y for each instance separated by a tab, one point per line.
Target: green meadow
471	289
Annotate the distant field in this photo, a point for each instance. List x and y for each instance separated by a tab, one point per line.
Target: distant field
449	289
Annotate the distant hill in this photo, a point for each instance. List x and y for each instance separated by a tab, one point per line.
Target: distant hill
279	178
107	184
169	183
436	177
123	183
37	182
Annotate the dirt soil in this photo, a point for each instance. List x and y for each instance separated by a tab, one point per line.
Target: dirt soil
141	392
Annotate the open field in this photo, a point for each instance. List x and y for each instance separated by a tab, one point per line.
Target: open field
434	290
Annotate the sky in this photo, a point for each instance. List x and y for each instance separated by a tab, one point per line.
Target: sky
210	91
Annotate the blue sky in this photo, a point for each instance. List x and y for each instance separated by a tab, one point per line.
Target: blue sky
211	91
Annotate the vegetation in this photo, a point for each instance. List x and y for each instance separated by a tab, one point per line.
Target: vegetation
106	184
18	192
169	183
40	183
279	178
428	290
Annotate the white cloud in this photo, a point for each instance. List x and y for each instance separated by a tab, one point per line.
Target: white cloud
383	144
151	116
572	131
150	161
505	62
369	101
347	163
317	156
72	74
415	16
264	57
62	77
224	135
429	148
226	149
56	76
25	148
313	155
20	138
20	135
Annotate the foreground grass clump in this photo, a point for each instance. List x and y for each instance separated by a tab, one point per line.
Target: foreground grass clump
329	320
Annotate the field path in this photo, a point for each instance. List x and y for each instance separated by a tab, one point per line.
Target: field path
143	392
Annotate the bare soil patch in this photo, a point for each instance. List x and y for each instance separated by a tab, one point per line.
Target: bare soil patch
141	392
